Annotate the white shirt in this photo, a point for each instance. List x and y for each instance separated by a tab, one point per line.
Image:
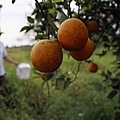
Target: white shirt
3	53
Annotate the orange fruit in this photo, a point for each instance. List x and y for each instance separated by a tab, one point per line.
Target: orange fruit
72	34
105	37
92	26
85	53
46	75
92	67
46	55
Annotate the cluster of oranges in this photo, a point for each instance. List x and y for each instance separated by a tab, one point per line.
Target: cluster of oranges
73	36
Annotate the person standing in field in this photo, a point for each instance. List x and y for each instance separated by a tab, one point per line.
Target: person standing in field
4	56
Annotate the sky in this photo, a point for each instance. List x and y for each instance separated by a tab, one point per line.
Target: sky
12	19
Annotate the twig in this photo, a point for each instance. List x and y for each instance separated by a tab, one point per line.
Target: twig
76	73
69	9
48	89
42	86
106	27
40	7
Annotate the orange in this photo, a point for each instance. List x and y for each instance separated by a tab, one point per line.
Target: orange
92	67
46	75
85	53
72	34
46	55
92	26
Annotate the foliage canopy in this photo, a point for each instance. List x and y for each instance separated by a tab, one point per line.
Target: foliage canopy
48	15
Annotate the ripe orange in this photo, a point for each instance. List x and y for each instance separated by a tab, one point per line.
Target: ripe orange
72	34
46	75
85	53
46	55
92	67
92	26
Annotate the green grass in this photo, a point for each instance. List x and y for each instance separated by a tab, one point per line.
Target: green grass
84	99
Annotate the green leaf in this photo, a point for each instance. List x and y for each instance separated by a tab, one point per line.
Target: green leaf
112	94
109	73
106	45
13	1
51	22
30	19
26	28
117	115
84	8
51	11
57	1
46	5
38	37
60	77
67	83
61	16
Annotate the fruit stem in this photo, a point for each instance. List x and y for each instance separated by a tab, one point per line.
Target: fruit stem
79	8
69	9
106	27
42	87
48	89
78	69
40	7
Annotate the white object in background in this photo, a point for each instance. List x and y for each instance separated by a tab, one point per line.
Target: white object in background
23	71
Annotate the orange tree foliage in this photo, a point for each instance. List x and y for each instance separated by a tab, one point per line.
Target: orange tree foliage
47	16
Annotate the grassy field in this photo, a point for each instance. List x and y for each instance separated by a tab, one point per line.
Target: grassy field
84	99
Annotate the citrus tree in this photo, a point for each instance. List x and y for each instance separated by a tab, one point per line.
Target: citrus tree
102	20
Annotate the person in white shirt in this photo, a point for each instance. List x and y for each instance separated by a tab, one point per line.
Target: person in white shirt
4	56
